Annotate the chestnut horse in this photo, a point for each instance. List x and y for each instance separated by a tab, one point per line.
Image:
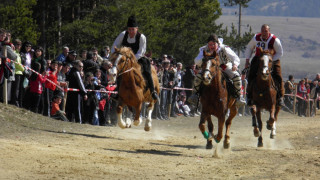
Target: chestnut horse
264	95
132	89
215	101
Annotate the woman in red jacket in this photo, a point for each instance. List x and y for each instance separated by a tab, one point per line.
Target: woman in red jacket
35	85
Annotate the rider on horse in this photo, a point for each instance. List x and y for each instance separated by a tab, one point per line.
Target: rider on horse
229	63
137	42
266	41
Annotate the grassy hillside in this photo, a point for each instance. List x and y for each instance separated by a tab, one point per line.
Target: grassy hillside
300	38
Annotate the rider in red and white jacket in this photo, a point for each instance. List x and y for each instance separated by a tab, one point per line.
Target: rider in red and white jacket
266	41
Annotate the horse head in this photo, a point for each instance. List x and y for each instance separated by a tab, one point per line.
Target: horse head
122	60
265	64
210	64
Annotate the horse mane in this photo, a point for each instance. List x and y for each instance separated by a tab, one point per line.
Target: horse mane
126	51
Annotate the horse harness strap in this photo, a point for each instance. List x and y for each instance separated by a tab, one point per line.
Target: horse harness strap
125	71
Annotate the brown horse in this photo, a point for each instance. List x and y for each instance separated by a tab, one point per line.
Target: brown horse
264	95
132	89
215	101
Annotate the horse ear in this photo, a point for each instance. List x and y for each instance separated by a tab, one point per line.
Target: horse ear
116	49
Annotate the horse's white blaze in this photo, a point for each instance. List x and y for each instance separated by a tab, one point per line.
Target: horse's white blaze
207	73
113	70
265	64
121	123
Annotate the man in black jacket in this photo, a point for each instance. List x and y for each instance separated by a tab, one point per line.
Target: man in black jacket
73	105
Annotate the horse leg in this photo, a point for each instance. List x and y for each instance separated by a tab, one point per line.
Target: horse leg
121	123
202	127
256	132
233	113
273	129
221	121
260	139
210	129
147	126
137	119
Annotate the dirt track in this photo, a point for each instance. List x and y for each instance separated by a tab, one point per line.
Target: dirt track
34	147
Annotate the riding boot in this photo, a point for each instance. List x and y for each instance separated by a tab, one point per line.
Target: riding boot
237	85
276	74
154	94
193	99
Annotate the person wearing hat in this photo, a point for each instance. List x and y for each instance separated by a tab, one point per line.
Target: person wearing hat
138	43
229	63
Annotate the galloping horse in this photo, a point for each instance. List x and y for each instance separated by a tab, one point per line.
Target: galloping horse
215	101
133	89
264	95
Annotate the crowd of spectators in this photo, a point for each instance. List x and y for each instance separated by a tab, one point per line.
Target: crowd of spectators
39	85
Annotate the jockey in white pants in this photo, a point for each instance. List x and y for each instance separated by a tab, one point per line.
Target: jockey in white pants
229	63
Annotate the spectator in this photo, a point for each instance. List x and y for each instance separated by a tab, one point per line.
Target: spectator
289	89
56	113
62	57
63	69
9	63
83	55
91	64
91	105
16	94
50	87
177	83
167	82
72	55
98	59
183	107
188	80
302	94
105	53
73	105
36	87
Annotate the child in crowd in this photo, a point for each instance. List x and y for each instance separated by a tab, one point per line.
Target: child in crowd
35	85
91	105
56	113
183	107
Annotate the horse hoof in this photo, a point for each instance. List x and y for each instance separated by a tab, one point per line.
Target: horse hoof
216	139
147	128
209	145
268	126
137	122
272	136
260	144
226	145
256	132
121	125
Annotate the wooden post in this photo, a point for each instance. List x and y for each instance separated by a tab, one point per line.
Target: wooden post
5	89
295	99
65	97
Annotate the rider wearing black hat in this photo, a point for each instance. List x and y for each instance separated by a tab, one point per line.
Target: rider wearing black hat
138	43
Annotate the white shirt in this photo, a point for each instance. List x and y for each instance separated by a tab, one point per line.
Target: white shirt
226	54
254	43
142	45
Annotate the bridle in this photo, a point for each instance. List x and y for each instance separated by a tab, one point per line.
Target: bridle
122	70
213	74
